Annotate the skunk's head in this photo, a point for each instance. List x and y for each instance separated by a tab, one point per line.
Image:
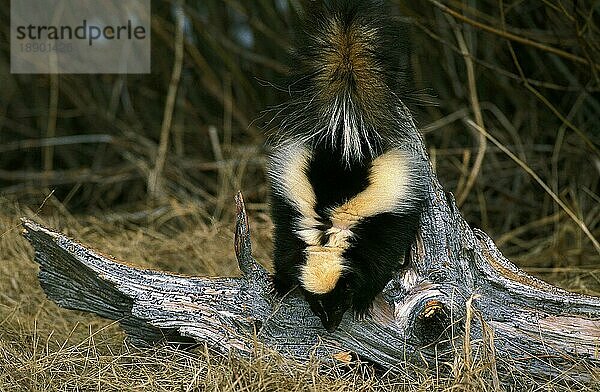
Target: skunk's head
325	281
331	306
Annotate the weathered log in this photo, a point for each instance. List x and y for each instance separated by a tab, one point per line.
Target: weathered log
459	298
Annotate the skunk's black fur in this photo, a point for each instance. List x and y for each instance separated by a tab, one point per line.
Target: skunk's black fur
346	193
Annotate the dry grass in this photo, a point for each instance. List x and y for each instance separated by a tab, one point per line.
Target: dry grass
43	347
145	168
526	72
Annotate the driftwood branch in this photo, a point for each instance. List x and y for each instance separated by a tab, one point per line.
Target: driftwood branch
459	299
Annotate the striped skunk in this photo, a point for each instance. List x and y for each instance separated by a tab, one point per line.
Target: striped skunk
346	191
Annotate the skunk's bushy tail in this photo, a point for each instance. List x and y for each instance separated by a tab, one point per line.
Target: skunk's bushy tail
346	69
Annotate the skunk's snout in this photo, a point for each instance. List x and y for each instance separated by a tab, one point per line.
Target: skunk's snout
331	327
332	319
330	307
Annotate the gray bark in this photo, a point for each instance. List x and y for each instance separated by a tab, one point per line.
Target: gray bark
460	299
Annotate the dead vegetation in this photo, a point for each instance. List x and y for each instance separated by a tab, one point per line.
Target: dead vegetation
43	347
81	152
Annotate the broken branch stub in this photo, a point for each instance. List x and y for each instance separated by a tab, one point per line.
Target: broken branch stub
459	298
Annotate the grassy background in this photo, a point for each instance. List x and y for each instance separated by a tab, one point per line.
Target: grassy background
528	71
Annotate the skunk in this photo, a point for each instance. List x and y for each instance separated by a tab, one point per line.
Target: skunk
346	190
